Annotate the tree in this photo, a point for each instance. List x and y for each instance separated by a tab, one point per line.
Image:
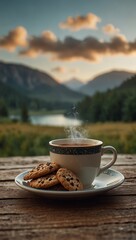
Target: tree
129	110
3	109
24	114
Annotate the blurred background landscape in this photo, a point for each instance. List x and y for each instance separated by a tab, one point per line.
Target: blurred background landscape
67	66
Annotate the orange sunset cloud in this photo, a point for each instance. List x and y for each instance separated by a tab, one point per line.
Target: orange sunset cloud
110	29
90	48
38	45
81	22
62	70
16	37
70	49
59	69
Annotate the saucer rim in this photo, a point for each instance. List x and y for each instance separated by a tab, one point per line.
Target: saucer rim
68	194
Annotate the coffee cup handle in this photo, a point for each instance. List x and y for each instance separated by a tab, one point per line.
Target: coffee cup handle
113	160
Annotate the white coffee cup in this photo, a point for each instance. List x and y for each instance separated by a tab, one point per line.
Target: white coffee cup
82	156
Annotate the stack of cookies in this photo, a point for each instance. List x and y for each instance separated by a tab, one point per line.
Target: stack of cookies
50	175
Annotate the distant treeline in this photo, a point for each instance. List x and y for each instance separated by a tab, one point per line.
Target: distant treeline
12	98
118	104
23	107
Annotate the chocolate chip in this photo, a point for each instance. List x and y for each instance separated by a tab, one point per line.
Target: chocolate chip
48	163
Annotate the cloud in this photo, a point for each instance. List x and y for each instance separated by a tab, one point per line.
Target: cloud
59	69
80	22
49	36
16	37
45	43
71	49
74	70
64	70
110	29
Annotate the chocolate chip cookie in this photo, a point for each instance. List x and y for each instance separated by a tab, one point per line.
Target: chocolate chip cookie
69	180
41	170
44	182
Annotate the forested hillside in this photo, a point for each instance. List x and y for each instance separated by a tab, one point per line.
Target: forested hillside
13	99
118	104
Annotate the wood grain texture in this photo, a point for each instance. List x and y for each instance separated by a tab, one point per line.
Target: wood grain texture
26	216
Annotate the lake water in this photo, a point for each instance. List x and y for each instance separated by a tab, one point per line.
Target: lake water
52	120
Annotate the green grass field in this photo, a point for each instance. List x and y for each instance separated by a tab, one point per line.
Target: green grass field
18	139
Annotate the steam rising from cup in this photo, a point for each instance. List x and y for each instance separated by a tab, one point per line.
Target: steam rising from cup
75	132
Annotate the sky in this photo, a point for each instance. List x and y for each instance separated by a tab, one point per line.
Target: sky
69	38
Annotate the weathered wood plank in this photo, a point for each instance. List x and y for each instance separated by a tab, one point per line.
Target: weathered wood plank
95	206
87	220
22	160
121	160
104	232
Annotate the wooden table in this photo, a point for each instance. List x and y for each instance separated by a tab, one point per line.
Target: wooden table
24	215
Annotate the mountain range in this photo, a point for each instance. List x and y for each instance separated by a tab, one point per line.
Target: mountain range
20	83
101	83
73	84
35	84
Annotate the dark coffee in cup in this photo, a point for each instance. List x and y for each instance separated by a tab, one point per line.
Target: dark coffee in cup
75	145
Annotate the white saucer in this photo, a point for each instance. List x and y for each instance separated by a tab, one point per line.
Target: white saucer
104	182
